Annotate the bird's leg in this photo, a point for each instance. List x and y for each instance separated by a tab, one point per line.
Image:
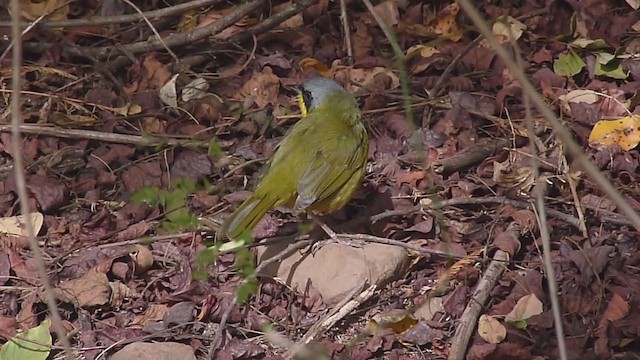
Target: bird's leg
324	227
334	237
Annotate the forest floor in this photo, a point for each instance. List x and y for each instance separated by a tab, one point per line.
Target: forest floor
134	154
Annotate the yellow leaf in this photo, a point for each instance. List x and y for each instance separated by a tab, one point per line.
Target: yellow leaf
625	132
398	320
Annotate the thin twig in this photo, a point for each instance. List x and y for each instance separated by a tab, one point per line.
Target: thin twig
471	313
153	29
437	89
260	28
21	184
349	304
346	29
399	243
475	201
102	136
28	28
548	265
120	19
173	40
577	204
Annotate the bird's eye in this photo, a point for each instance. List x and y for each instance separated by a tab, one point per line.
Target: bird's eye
307	99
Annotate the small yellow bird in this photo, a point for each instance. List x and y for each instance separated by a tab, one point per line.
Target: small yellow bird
319	163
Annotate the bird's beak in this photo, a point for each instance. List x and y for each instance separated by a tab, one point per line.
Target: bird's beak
301	103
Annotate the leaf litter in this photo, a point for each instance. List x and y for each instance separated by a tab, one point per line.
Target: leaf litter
120	287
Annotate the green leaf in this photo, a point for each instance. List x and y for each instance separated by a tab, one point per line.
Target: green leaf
568	64
33	344
207	256
215	151
604	58
232	245
200	275
244	263
609	65
147	195
182	218
520	324
247	289
185	184
589	44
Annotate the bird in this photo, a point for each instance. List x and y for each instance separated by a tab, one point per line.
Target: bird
317	166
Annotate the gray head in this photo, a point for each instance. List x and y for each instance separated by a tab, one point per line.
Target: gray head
315	91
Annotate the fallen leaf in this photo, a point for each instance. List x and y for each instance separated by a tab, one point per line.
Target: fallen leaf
168	93
262	89
525	308
443	25
53	10
92	289
16	225
388	12
507	29
491	330
617	309
577	96
398	320
624	132
33	344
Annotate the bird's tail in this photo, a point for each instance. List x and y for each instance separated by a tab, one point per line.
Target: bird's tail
246	216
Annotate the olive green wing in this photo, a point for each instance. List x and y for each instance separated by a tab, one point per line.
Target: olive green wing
331	167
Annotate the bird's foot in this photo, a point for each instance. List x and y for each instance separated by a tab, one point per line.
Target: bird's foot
334	238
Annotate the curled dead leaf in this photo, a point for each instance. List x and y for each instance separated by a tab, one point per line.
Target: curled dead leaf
54	10
262	89
91	289
17	225
526	307
491	330
398	320
142	258
507	242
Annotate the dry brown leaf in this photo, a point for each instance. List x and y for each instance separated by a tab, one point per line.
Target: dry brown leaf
54	10
526	307
365	77
92	289
119	293
73	121
398	320
509	176
142	257
262	89
508	29
617	309
17	225
216	15
443	24
491	330
188	21
388	11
